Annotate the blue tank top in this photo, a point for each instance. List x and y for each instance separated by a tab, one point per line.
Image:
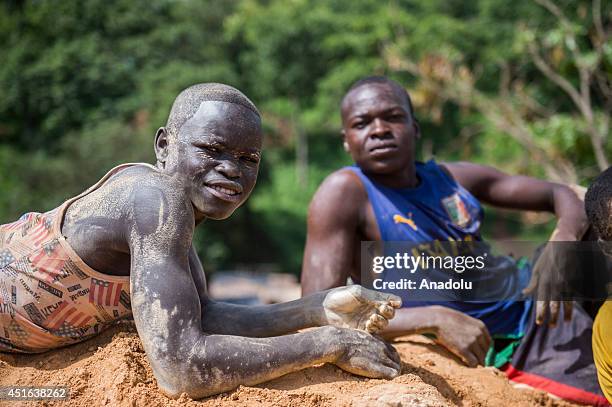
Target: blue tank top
441	209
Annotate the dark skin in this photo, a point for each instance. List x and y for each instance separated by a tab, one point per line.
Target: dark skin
380	133
141	222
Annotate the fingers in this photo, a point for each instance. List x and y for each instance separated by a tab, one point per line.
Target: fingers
392	354
463	353
469	358
389	299
484	341
479	352
390	362
385	372
376	323
533	283
544	307
541	311
386	311
394	301
568	309
381	369
382	298
393	360
381	364
481	345
554	313
488	341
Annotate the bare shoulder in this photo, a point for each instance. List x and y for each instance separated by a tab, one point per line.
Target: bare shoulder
113	199
342	192
157	201
132	185
146	200
342	186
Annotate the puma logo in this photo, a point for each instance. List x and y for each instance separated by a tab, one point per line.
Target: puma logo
408	221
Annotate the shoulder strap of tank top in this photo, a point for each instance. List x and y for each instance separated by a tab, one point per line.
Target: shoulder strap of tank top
62	209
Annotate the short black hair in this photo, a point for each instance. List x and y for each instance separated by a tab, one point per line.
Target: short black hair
189	100
369	80
598	204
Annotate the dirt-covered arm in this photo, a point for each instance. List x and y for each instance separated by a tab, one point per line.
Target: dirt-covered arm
254	321
346	307
168	315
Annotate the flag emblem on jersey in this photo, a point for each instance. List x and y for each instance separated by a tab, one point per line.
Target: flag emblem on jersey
456	210
104	292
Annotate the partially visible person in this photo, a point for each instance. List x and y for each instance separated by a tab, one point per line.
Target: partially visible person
598	204
389	196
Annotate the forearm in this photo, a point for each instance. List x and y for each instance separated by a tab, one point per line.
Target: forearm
572	221
263	320
221	363
525	193
409	321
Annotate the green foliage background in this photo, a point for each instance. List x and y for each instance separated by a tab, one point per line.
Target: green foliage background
85	84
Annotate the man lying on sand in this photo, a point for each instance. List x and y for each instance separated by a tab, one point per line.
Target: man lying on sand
598	204
389	196
124	247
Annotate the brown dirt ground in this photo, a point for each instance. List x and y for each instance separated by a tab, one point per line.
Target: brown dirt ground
112	369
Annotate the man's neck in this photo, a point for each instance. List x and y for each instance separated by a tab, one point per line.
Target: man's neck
407	178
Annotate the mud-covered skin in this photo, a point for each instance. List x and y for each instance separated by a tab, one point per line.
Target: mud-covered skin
344	307
340	215
141	222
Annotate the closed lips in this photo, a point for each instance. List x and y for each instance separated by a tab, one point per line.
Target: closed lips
382	147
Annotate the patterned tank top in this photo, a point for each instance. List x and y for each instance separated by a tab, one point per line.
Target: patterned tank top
49	297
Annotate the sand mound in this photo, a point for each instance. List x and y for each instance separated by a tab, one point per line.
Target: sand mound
112	369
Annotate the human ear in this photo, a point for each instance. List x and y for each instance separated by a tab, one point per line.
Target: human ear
417	129
161	145
344	143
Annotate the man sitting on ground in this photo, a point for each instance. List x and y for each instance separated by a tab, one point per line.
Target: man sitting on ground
389	196
124	247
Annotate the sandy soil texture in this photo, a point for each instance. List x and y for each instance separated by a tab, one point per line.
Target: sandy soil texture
112	370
